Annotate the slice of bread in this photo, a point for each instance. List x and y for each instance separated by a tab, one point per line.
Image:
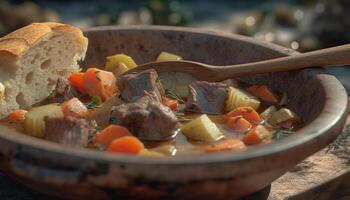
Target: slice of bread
31	60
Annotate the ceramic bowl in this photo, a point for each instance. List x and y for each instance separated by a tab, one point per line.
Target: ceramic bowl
77	173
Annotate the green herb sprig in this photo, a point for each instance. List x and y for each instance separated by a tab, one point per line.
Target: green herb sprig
277	135
173	95
95	101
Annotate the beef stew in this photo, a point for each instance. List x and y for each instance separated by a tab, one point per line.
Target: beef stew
146	114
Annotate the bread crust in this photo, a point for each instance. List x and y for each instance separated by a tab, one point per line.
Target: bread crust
18	42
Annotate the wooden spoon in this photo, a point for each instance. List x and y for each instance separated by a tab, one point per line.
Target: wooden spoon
334	56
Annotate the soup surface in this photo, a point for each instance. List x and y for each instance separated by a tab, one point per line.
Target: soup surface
150	114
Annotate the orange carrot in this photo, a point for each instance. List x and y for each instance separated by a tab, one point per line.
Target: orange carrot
126	144
99	83
246	112
74	108
229	144
238	123
17	116
172	104
256	135
111	132
262	92
76	79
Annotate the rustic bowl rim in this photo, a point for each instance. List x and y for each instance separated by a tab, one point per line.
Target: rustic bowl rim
336	102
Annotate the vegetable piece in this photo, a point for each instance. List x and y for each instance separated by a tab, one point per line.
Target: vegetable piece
150	153
112	61
237	98
284	99
120	69
126	144
76	79
100	83
268	112
256	135
231	82
165	149
202	129
238	123
108	134
262	92
34	123
282	115
246	112
2	90
74	108
228	144
166	56
172	104
17	116
286	124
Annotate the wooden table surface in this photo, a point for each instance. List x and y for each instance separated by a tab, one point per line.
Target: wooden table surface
322	176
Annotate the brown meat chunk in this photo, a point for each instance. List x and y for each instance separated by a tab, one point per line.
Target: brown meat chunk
63	92
205	97
133	86
147	119
68	131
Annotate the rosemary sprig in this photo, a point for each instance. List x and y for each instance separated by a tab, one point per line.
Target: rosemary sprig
173	95
277	135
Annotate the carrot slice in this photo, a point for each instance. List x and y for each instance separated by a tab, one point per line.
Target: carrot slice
126	144
17	116
229	144
256	135
172	104
99	83
262	92
246	112
76	79
74	108
238	123
111	132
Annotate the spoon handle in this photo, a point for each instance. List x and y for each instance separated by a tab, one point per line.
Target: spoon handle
334	56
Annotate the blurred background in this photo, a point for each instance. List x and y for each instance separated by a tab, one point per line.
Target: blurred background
302	25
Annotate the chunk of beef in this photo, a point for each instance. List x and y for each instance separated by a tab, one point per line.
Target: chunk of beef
133	86
205	97
147	119
63	92
68	131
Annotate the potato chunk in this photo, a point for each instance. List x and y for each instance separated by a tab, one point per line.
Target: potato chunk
282	115
202	129
112	61
165	56
237	98
34	123
268	112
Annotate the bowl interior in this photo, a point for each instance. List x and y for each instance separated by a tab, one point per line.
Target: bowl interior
146	44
